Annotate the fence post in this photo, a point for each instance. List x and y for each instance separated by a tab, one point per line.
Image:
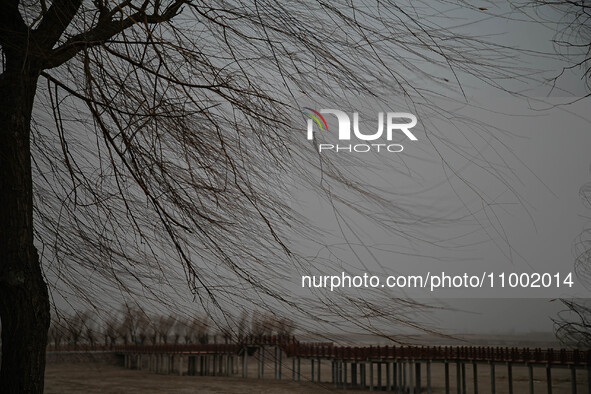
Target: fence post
446	377
333	366
404	381
280	351
530	373
510	376
275	361
418	376
463	378
411	383
475	376
492	377
261	362
400	379
362	381
429	377
318	368
573	379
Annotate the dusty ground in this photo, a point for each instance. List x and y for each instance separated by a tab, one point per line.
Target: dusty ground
104	378
100	378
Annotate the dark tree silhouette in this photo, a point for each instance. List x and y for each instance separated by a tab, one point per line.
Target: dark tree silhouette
140	135
573	325
57	333
571	20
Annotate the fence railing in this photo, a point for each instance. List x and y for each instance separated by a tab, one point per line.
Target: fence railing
293	348
360	367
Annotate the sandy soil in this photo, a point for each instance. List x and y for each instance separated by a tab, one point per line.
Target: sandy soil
105	378
101	378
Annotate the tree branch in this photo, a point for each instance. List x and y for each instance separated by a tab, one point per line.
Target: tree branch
55	22
105	30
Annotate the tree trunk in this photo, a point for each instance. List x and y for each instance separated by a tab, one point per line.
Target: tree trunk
24	301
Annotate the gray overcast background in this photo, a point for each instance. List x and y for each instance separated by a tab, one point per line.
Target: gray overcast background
550	145
546	132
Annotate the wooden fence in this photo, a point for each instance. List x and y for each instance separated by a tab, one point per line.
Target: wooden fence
392	368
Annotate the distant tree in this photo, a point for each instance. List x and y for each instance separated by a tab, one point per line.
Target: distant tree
142	329
200	329
284	326
242	329
152	330
75	326
134	322
573	326
571	20
187	333
90	331
226	332
261	323
56	333
177	329
124	328
111	334
164	325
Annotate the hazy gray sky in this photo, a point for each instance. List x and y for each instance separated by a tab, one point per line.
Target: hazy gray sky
527	222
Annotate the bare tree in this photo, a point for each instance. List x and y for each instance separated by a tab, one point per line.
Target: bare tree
110	332
284	326
172	139
571	20
193	330
90	330
200	329
178	329
142	327
75	327
261	323
152	332
573	326
242	326
187	332
57	333
123	329
164	326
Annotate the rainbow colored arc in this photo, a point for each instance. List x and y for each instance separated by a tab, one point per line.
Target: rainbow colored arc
317	117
